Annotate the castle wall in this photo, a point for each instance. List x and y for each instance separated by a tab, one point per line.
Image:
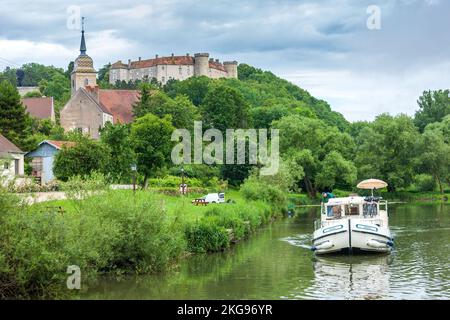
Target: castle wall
231	68
118	74
178	72
165	72
216	73
201	64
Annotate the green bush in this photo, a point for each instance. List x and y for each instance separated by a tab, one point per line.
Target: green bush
173	181
425	183
147	240
78	187
254	189
206	236
81	160
114	231
225	216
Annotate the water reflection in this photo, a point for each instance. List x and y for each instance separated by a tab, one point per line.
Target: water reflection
276	263
350	277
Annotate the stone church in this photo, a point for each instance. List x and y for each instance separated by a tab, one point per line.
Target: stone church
89	107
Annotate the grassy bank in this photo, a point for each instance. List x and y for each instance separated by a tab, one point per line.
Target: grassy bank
116	232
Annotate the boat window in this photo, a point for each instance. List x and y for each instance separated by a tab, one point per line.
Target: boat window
334	212
370	209
352	210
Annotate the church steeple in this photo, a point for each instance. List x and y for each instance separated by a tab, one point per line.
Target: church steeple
83	73
83	42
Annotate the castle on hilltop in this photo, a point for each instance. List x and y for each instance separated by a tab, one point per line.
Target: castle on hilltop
164	69
90	108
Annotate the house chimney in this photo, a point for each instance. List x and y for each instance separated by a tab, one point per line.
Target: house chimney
187	54
156	56
172	55
139	58
217	60
93	92
129	63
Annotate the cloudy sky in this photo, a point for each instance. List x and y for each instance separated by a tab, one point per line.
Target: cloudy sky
323	46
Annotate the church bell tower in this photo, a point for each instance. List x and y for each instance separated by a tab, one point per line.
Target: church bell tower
83	73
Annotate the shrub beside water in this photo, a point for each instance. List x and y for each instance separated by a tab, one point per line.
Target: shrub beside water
206	236
221	221
254	189
113	232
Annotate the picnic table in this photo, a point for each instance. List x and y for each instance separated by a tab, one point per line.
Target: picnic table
200	202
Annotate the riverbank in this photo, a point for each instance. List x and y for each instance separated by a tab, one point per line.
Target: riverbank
277	264
118	232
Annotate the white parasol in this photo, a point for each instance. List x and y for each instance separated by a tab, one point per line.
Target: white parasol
372	184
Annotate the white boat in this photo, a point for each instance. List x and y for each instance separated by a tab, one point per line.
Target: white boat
354	224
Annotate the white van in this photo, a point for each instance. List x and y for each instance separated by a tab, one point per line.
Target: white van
213	198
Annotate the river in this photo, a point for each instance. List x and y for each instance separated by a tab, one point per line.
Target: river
277	264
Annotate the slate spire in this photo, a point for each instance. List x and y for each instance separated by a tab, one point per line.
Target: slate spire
83	42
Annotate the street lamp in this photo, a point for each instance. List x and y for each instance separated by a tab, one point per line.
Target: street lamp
134	169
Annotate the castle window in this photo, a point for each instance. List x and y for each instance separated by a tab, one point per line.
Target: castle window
180	69
163	79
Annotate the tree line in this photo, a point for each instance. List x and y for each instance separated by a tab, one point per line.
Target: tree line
320	149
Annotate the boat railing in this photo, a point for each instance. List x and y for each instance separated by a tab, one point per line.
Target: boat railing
323	223
317	224
384	203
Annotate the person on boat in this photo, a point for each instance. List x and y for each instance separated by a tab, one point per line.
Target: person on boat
326	196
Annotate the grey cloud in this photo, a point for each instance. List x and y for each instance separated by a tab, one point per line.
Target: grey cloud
286	36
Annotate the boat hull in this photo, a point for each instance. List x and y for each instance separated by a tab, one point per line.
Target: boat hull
353	236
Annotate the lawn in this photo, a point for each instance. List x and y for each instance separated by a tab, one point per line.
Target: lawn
174	205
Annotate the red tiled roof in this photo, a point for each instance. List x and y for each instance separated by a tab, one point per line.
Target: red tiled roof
119	103
60	144
8	146
216	65
175	60
118	64
40	108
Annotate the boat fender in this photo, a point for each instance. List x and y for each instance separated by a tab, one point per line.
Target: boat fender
377	243
323	246
390	243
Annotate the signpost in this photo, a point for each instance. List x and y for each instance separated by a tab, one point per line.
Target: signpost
134	169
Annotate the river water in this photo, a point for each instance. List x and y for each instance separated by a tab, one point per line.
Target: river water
276	263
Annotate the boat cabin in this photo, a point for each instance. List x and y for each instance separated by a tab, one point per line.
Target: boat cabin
367	207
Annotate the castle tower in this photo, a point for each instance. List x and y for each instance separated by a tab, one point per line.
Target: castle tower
231	69
201	64
83	73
